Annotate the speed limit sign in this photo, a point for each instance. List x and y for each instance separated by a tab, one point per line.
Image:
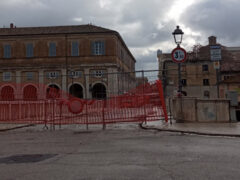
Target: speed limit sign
179	55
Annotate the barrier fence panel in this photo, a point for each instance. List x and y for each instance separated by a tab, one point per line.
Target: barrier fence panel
124	101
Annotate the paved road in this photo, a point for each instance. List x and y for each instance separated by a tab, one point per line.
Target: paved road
116	154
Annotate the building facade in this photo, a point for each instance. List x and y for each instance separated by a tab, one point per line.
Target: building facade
200	77
84	60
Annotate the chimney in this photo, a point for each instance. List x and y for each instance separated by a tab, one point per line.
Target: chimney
212	40
11	25
159	53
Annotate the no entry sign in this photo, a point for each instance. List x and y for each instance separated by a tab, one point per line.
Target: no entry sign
179	55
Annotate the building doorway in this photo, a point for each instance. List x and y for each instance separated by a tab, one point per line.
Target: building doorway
30	93
53	92
7	93
99	91
76	90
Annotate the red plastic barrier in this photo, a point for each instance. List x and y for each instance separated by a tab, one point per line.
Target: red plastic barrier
145	103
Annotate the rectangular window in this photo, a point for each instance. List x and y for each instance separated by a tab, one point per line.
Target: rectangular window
184	82
204	67
98	48
205	82
53	75
226	77
52	49
29	50
75	49
7	76
7	51
98	73
29	75
75	74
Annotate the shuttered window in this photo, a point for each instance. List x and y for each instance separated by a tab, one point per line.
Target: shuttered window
98	48
7	76
29	50
29	75
53	75
75	49
7	51
52	49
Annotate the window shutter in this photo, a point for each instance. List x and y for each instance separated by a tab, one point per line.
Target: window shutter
75	49
57	74
93	48
7	51
49	75
52	49
29	51
103	47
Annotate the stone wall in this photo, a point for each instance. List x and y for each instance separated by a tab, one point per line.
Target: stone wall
200	110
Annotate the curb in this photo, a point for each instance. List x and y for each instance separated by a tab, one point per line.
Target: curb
17	127
188	132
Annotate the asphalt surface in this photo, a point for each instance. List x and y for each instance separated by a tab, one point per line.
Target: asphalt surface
132	153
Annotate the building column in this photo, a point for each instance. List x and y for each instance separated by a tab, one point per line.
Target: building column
113	81
88	95
41	91
64	82
19	86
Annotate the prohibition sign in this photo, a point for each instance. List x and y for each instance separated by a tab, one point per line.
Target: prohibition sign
179	55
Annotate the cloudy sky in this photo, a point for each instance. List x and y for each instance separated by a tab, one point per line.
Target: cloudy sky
145	25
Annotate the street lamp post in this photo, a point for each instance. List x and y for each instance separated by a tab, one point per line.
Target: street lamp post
179	56
178	34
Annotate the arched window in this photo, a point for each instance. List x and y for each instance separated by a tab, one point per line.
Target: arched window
99	91
30	93
76	90
7	93
53	92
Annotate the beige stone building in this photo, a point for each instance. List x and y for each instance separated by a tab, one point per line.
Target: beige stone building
200	78
86	60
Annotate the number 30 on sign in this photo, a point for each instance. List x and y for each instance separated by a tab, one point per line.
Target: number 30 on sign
179	55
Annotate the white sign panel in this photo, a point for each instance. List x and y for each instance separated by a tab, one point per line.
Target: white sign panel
216	53
216	65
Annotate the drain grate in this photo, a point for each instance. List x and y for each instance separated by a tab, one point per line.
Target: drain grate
26	158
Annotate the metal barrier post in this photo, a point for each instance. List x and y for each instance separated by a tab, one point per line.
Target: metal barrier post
87	115
145	114
103	117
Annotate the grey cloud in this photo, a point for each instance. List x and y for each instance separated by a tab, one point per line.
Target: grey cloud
148	14
215	17
147	62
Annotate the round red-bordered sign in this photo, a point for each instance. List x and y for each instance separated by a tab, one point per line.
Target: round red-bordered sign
75	105
179	55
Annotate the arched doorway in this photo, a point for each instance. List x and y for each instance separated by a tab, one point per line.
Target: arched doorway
99	91
30	92
7	93
53	91
76	90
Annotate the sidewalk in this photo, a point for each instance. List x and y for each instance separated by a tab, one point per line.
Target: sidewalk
7	127
214	129
225	129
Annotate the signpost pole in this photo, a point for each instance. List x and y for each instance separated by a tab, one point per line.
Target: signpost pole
218	77
179	56
216	56
179	79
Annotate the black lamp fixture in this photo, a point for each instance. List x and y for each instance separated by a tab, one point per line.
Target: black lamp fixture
178	34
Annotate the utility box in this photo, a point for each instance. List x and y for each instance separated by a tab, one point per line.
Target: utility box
233	97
